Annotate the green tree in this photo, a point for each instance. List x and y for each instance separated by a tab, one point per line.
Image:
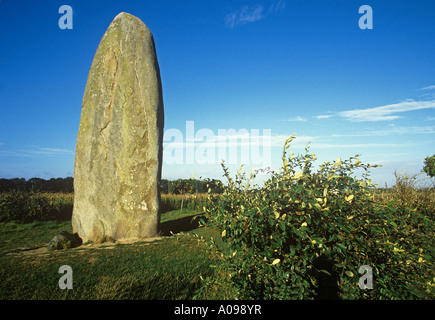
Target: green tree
429	166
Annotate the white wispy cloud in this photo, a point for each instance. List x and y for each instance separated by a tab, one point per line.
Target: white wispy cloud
252	13
298	142
323	116
391	130
387	112
245	15
295	119
277	6
432	87
355	145
428	92
35	152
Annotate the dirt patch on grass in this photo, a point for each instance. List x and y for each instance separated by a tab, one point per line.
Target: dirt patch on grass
28	251
139	241
101	246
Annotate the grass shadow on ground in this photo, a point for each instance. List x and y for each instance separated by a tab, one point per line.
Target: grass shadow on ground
171	267
183	224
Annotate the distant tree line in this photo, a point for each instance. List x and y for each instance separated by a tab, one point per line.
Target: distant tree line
180	186
190	186
37	184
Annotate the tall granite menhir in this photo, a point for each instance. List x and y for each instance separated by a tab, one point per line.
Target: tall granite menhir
119	144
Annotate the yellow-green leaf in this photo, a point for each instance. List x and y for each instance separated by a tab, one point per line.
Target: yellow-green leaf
304	224
349	273
224	233
276	261
297	175
276	214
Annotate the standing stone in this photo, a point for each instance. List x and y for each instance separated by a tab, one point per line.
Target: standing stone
119	143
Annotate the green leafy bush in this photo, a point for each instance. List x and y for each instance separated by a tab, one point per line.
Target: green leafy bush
304	235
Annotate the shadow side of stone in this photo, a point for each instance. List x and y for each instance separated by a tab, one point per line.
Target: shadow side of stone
65	240
184	224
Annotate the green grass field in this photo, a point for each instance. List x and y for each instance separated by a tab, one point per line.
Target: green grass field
172	266
169	267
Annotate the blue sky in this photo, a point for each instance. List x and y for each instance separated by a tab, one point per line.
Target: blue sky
301	67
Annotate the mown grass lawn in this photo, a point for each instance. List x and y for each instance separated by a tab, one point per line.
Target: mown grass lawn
169	267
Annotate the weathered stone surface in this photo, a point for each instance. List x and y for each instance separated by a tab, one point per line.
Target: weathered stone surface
119	144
